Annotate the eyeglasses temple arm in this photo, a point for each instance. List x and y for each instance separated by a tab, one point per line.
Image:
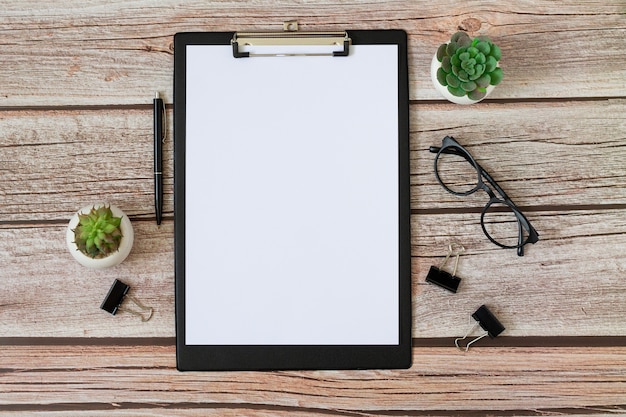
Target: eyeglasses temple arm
520	238
494	184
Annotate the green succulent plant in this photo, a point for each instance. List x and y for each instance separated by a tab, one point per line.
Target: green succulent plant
468	66
98	233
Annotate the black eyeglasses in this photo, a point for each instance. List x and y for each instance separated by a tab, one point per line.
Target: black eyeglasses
501	220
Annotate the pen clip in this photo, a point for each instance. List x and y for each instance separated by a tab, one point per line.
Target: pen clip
164	126
164	117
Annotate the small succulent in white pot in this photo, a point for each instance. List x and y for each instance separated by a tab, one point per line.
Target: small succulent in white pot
466	70
100	236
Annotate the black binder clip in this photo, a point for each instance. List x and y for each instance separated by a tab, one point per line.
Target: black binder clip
112	302
489	323
442	278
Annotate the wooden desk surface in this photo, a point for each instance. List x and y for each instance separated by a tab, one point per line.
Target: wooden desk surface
76	87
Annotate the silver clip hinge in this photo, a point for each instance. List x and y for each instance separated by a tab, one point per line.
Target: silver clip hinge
290	37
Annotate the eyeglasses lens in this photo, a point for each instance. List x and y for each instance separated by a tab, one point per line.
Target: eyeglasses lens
456	173
501	224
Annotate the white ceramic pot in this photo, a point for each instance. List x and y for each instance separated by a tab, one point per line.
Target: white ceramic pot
443	90
115	258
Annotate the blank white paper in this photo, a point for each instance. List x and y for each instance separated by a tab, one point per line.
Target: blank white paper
291	201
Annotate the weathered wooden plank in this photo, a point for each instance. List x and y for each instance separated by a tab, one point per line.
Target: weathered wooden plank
570	282
55	162
44	292
444	380
201	410
120	53
563	162
236	411
548	292
191	410
542	154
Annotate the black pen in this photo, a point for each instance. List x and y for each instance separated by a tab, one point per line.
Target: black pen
159	138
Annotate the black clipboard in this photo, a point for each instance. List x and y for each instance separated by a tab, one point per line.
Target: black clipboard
292	206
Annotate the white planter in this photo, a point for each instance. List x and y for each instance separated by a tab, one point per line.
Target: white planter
443	90
114	259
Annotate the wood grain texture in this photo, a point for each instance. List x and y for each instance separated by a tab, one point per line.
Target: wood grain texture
570	283
75	128
89	53
55	162
543	154
571	279
45	293
442	380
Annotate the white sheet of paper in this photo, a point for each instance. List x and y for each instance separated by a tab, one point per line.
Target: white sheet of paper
292	198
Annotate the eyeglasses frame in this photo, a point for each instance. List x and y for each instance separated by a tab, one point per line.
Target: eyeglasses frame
449	145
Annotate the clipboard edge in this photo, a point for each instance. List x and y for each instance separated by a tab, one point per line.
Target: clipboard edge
343	357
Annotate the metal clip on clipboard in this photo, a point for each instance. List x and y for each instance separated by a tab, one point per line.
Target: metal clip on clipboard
290	37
